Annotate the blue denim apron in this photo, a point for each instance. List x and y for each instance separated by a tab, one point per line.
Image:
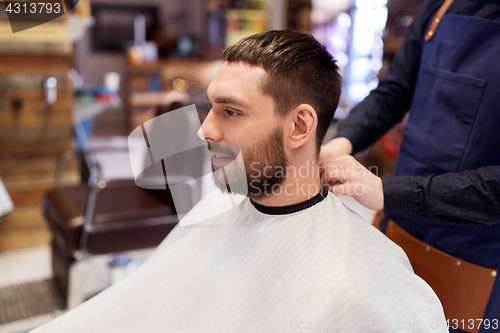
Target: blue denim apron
454	125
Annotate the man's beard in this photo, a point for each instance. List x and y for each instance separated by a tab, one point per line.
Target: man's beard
265	167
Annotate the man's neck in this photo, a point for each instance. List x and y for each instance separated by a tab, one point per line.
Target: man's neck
302	183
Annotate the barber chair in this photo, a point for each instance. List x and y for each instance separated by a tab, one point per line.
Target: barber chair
101	218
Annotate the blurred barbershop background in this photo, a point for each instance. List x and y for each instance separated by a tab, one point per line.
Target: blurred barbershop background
72	219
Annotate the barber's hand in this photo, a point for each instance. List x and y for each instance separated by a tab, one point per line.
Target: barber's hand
346	176
335	148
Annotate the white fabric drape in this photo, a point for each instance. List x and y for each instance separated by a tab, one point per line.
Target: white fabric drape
323	269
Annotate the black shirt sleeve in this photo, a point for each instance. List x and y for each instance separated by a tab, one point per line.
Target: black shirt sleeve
471	196
462	197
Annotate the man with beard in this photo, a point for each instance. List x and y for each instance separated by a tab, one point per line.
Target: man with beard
289	256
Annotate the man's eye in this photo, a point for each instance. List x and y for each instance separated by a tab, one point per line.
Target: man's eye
231	113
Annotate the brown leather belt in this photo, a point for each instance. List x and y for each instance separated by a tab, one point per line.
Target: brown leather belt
463	287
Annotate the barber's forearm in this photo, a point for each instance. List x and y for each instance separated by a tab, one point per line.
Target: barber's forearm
387	105
471	197
367	122
380	111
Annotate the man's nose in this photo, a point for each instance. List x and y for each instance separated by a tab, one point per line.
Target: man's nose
209	130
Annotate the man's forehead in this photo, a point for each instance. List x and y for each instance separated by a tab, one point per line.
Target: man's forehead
241	68
237	76
239	73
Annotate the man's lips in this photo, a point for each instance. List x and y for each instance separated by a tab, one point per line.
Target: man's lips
218	159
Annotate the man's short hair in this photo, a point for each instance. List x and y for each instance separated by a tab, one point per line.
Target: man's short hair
299	70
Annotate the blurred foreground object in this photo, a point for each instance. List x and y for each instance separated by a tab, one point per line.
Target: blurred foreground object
6	204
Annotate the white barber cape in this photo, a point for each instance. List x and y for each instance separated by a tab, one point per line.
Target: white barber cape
321	268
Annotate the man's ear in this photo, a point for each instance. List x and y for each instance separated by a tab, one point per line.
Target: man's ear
302	122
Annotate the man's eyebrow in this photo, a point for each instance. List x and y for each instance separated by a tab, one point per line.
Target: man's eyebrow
226	100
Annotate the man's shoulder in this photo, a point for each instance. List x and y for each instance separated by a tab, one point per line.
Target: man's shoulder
377	271
359	239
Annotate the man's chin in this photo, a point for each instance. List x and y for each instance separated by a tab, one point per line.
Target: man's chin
256	190
219	167
221	162
225	188
228	185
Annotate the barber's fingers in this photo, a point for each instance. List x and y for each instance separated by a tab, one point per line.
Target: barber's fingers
335	148
347	160
329	183
343	189
344	170
346	176
325	154
334	174
328	155
330	166
368	193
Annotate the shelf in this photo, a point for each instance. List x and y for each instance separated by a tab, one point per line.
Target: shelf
35	64
49	38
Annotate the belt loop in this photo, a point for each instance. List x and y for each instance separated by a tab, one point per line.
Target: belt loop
437	19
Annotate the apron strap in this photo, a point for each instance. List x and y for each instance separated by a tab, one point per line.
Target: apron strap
437	19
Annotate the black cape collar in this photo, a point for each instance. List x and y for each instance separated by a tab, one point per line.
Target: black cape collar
284	210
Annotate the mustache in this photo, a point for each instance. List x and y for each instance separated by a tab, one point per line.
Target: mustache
224	148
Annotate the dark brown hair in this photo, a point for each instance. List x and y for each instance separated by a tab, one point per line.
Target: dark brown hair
299	70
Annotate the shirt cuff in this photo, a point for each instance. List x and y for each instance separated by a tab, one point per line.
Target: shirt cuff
401	197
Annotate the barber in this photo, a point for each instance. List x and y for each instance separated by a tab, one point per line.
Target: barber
446	188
